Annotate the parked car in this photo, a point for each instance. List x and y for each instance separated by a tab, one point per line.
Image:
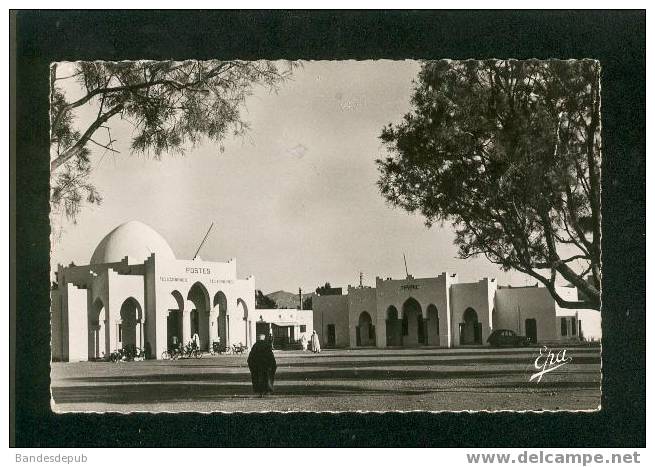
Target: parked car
507	338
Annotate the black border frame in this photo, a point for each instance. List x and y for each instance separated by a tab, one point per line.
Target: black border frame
616	38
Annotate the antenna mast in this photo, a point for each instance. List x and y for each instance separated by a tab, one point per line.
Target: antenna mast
203	241
405	259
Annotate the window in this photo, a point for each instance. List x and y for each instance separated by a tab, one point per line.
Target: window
563	326
573	326
331	335
303	328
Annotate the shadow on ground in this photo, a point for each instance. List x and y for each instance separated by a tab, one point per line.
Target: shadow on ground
162	388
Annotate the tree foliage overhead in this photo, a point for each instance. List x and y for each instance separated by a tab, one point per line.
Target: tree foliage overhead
170	105
509	152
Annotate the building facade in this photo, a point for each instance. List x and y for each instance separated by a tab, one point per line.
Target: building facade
443	312
136	292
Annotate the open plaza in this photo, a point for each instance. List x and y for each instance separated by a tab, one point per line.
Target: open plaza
423	379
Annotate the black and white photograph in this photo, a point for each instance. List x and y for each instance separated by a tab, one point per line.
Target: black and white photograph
368	235
327	228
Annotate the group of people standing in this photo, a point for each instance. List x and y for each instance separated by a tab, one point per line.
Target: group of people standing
176	343
262	364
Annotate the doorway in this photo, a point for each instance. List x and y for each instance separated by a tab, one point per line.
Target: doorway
365	331
393	327
331	336
173	328
470	331
531	330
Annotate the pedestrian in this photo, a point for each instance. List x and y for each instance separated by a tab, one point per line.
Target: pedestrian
270	339
173	343
196	341
262	365
316	344
303	343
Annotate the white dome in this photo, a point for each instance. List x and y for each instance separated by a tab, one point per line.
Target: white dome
133	239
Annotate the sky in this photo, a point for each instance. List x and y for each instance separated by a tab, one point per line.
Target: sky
295	201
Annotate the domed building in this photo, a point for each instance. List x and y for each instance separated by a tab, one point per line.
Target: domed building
135	292
134	240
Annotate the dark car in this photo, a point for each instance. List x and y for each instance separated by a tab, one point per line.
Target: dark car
507	338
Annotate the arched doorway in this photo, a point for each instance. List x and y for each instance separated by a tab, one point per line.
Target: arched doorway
470	331
174	319
199	315
432	326
413	330
221	319
98	338
394	327
365	330
130	329
242	310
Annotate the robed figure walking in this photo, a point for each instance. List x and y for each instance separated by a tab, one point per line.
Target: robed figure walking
316	343
261	362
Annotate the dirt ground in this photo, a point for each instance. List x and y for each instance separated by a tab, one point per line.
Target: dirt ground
420	379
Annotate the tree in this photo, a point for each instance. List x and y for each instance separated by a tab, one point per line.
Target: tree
170	105
324	289
262	301
509	153
307	303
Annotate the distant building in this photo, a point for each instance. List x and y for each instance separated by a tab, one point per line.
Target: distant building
441	311
285	325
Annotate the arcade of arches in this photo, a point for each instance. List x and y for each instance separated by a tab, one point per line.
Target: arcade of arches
212	324
414	327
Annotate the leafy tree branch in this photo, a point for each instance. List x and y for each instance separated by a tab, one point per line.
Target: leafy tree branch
170	105
508	152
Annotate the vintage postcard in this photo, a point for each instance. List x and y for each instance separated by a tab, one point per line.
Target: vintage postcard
342	236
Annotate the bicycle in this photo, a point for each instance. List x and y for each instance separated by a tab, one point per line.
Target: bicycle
116	356
171	354
239	349
190	350
215	349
